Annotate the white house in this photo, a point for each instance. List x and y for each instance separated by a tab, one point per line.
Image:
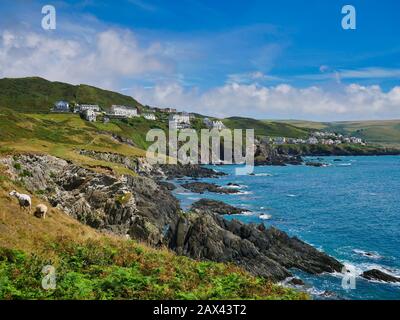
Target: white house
180	118
149	116
280	140
89	115
356	140
312	140
123	111
84	107
218	125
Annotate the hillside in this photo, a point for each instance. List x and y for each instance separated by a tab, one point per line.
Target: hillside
93	265
267	128
384	132
37	95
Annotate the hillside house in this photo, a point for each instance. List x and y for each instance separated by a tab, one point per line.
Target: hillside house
79	108
279	140
180	118
169	110
312	140
218	125
89	115
61	106
356	140
123	111
149	116
211	124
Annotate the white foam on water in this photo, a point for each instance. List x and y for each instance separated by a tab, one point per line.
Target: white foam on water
265	216
241	193
368	254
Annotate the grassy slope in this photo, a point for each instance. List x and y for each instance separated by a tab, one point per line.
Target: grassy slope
385	132
39	95
266	128
62	135
91	265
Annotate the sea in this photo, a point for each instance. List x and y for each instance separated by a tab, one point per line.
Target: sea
349	208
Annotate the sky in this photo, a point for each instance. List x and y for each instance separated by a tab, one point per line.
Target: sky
284	59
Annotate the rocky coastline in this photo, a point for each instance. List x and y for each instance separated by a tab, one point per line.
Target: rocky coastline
142	207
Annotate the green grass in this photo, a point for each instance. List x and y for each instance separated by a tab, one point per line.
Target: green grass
39	95
92	265
63	135
102	270
266	128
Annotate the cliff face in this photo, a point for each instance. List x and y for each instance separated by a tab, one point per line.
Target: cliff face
144	209
266	154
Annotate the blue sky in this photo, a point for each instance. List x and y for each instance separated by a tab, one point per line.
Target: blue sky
265	59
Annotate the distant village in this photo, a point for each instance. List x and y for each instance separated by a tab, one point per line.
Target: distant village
183	120
318	137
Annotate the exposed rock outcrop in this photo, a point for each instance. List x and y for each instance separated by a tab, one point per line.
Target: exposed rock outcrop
125	205
378	275
216	206
141	166
265	252
266	154
140	207
201	187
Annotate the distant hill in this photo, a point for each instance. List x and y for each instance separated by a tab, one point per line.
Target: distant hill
385	132
267	128
37	95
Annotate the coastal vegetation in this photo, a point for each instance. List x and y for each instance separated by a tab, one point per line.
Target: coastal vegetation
93	265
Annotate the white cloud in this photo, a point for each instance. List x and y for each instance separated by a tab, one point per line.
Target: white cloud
281	101
102	59
353	74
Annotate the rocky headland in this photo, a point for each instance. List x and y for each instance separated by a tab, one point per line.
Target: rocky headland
143	208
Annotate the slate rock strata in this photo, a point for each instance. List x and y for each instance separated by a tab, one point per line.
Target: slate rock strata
268	155
378	275
139	207
201	187
216	206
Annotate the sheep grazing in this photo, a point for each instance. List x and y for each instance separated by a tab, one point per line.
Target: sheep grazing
24	200
41	211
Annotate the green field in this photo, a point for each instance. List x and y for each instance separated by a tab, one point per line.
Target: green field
267	128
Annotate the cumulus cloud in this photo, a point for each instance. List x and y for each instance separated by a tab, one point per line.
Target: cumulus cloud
281	101
102	59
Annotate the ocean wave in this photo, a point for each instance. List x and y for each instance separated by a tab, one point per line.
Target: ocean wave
291	195
368	254
265	216
264	175
194	198
241	193
245	213
344	164
240	186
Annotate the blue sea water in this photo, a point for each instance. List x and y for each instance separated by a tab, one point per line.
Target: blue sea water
346	209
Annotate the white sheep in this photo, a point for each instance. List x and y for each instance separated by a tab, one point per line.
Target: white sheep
41	211
23	199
